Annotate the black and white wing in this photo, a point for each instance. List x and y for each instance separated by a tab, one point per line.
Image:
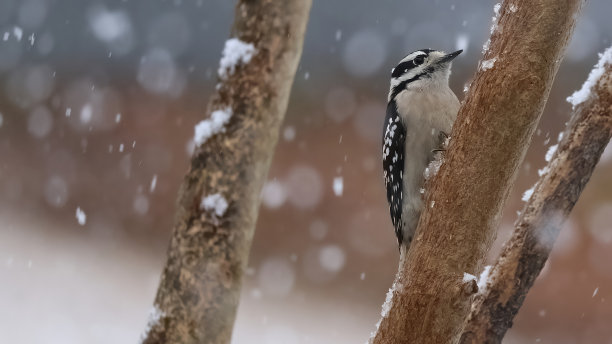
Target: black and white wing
393	146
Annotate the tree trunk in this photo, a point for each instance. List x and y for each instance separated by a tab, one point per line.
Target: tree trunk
434	286
200	286
525	253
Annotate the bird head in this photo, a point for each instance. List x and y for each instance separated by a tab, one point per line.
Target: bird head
420	70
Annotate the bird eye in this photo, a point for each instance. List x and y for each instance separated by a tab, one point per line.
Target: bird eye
419	60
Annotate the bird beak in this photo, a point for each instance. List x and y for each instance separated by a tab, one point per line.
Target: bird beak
450	57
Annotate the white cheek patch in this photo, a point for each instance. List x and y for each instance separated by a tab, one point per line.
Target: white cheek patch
411	74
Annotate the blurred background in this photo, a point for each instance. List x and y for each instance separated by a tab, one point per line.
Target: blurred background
98	100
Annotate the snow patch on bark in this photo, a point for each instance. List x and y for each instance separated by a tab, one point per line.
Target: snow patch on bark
494	21
216	204
234	52
584	92
483	279
434	166
488	64
386	307
527	194
551	151
155	316
467	277
214	125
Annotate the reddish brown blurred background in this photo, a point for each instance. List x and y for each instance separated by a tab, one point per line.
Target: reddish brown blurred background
98	100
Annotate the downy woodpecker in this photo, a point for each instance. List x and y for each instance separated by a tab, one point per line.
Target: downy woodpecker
421	110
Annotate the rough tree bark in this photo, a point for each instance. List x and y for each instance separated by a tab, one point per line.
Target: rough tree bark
525	253
200	286
430	300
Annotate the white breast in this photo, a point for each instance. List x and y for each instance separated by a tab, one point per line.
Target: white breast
433	107
424	113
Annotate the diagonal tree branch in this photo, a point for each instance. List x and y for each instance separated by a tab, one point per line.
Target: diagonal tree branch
219	198
525	253
432	296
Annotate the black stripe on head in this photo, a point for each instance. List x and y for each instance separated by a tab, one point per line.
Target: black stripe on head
402	85
405	66
402	68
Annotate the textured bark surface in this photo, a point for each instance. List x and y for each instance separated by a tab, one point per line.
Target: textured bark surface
200	286
463	206
525	253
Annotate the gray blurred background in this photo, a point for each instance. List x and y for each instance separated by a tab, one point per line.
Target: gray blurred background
98	100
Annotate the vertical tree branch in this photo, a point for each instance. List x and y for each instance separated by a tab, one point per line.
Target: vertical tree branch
525	253
432	296
200	285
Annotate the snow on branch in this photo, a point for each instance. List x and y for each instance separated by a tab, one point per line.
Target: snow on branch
214	125
434	166
234	52
483	279
216	204
467	277
584	92
155	315
384	312
494	22
488	64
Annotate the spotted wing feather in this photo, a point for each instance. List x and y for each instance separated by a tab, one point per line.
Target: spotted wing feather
393	146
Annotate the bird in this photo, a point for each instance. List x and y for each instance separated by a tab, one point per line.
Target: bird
421	110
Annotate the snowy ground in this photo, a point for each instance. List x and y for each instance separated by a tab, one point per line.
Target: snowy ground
76	288
71	288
